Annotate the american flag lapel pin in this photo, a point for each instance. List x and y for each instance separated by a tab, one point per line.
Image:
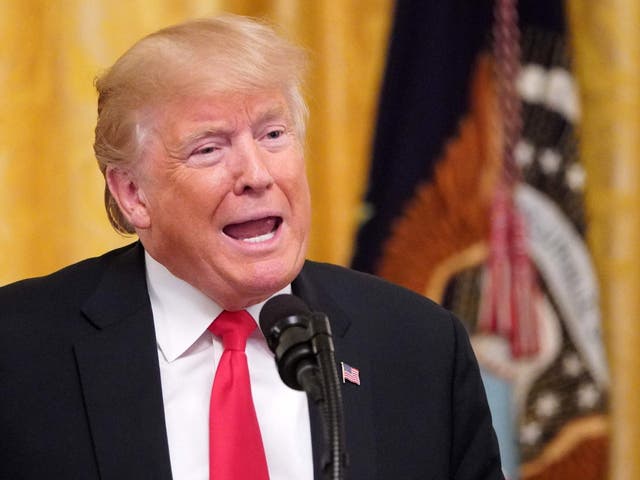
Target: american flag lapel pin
350	374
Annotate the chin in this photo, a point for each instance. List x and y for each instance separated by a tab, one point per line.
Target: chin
269	279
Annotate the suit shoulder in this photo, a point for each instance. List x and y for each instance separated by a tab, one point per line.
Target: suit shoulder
374	307
352	286
73	279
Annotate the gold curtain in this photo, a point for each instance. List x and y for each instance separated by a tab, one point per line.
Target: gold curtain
606	42
51	210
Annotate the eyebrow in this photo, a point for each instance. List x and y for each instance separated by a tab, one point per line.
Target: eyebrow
207	131
271	113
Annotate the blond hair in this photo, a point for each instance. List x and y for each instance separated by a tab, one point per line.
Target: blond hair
218	55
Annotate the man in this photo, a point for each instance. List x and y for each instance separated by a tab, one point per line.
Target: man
108	365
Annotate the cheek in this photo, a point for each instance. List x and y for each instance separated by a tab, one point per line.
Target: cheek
200	189
300	200
292	173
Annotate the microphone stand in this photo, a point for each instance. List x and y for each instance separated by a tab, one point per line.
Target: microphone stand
334	465
304	350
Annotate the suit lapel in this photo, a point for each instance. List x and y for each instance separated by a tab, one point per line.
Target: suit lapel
356	399
120	377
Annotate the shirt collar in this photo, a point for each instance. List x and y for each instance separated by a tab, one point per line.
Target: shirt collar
181	312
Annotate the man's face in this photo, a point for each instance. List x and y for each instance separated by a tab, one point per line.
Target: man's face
224	188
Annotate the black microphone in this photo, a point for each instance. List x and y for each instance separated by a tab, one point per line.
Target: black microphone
303	345
285	321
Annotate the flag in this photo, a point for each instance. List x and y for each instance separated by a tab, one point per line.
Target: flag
440	192
350	374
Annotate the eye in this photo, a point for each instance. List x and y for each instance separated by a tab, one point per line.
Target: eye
276	137
205	155
274	134
205	150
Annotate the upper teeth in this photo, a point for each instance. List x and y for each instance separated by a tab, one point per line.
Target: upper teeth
260	238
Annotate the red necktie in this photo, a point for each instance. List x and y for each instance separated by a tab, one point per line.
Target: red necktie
235	445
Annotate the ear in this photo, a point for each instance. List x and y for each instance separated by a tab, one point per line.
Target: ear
126	191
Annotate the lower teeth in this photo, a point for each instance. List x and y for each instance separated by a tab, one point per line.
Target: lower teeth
259	238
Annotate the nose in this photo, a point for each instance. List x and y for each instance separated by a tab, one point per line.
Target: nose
252	172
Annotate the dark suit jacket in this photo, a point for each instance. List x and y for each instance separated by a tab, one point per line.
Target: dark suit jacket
80	385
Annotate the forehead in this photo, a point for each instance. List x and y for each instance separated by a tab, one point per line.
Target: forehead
226	110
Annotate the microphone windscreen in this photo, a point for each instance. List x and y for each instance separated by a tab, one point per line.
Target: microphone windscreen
279	307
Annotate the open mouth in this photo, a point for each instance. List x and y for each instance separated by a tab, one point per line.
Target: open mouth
254	231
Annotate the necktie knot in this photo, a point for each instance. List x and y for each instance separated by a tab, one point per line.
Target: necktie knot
233	328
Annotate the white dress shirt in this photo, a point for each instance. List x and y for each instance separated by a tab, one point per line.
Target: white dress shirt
189	355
